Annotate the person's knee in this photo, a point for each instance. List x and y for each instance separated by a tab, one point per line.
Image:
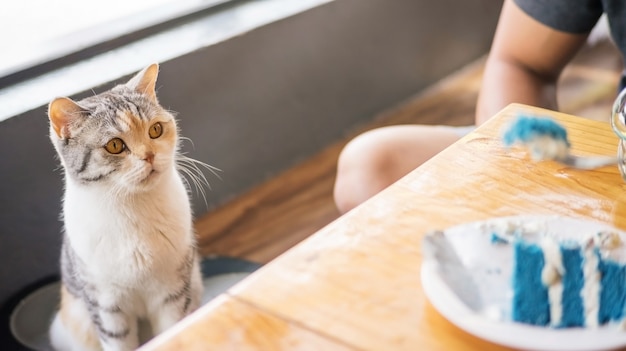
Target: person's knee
363	169
374	160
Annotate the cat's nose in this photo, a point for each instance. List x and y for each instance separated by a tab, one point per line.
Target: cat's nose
149	157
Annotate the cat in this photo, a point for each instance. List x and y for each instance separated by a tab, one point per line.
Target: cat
129	250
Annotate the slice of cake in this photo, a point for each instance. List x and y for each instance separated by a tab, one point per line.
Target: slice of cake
566	283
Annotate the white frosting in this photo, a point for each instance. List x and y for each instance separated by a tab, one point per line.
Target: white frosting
590	293
508	230
607	240
551	277
610	245
547	148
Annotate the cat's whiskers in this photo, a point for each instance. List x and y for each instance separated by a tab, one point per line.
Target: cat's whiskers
181	156
117	192
134	176
192	173
122	188
184	138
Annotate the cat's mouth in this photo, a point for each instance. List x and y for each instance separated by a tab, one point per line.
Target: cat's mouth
151	175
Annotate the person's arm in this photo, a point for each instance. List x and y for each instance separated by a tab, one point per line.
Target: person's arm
524	63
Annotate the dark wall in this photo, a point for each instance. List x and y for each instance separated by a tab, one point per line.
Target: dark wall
254	105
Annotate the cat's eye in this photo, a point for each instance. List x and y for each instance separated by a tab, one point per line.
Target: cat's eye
115	146
156	130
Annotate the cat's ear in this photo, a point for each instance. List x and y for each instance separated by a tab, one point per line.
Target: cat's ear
145	81
62	112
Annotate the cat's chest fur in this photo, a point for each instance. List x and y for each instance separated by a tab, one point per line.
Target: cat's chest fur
123	239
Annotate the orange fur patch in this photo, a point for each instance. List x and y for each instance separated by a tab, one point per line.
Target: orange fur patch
82	331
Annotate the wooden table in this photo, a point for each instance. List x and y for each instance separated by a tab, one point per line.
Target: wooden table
355	284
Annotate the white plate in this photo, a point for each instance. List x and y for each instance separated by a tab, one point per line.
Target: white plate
489	267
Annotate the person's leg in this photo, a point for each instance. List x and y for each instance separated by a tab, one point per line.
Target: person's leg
377	158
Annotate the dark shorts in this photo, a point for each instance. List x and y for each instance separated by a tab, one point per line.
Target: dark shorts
622	83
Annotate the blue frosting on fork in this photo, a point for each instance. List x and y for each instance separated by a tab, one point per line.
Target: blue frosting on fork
524	129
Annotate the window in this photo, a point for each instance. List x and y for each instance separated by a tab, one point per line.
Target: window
36	34
52	59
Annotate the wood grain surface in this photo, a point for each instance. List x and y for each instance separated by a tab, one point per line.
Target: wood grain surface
237	326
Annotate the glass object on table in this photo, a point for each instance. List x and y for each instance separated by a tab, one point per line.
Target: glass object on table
618	122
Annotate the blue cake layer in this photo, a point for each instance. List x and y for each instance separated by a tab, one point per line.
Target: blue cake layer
531	303
612	294
573	281
530	296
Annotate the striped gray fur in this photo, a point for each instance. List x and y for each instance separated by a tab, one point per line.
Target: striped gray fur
74	281
85	160
185	290
70	276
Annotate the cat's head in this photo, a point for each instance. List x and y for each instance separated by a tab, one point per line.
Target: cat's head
120	138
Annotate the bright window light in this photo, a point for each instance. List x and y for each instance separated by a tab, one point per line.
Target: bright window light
35	31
